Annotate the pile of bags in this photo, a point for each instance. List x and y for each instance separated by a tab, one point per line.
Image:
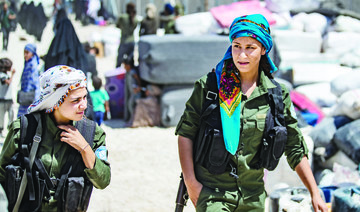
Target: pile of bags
319	51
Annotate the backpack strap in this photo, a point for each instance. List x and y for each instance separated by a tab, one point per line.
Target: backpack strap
211	95
208	106
27	179
87	129
276	103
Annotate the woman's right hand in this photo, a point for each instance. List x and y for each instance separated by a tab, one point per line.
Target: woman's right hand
194	189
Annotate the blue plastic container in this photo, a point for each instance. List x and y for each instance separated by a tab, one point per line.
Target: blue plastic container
328	192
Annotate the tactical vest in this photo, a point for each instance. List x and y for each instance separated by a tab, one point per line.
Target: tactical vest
72	190
209	147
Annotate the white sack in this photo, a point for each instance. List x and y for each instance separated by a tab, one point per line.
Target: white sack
348	105
313	22
320	93
347	24
287	5
197	24
305	73
345	82
341	42
295	40
351	58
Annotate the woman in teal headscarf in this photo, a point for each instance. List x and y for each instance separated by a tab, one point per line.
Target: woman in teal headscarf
243	79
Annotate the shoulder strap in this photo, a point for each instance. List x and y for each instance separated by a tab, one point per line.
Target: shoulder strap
87	129
211	95
208	106
276	103
26	180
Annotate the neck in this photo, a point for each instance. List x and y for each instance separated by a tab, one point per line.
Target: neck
249	82
59	119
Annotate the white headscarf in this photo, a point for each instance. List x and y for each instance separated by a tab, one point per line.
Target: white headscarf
55	85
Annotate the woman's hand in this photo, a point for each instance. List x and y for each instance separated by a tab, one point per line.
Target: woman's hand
318	204
304	171
73	137
194	189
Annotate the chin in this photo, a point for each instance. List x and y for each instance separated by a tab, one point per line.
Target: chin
78	117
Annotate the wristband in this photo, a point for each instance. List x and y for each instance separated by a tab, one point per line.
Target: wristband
84	147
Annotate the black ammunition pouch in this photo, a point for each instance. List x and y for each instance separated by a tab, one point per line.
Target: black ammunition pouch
272	147
275	134
13	175
36	191
76	195
74	188
209	146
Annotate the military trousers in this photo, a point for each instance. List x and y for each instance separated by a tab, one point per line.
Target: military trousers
212	200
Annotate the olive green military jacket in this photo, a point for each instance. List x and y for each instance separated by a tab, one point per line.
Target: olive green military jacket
127	28
54	153
253	114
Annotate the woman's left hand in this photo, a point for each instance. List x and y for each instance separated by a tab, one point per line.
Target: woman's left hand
319	204
72	136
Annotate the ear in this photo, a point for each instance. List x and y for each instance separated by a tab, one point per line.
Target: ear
263	50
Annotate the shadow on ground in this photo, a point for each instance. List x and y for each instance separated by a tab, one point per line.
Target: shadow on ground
115	123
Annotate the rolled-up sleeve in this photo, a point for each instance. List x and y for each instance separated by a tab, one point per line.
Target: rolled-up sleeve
296	147
189	122
100	174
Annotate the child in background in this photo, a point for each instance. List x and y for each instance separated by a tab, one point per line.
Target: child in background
100	99
5	92
132	88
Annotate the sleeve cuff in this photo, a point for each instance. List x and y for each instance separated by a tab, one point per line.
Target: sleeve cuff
100	174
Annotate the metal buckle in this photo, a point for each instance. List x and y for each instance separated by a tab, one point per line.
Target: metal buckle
37	138
212	93
54	181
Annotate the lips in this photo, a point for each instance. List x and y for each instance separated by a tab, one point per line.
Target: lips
243	63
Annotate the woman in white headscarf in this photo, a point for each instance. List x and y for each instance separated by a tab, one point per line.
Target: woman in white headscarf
61	105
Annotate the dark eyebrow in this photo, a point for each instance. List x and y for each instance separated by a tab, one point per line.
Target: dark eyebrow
248	44
80	97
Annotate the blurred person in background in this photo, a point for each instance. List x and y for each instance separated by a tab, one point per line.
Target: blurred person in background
30	76
6	101
100	100
126	23
167	19
132	88
6	16
149	24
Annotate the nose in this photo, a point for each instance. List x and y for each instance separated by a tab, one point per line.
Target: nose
242	53
83	104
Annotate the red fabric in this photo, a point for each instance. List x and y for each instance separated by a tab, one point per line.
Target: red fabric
302	103
225	14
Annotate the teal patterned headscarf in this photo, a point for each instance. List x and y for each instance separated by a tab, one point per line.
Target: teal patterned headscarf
254	26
